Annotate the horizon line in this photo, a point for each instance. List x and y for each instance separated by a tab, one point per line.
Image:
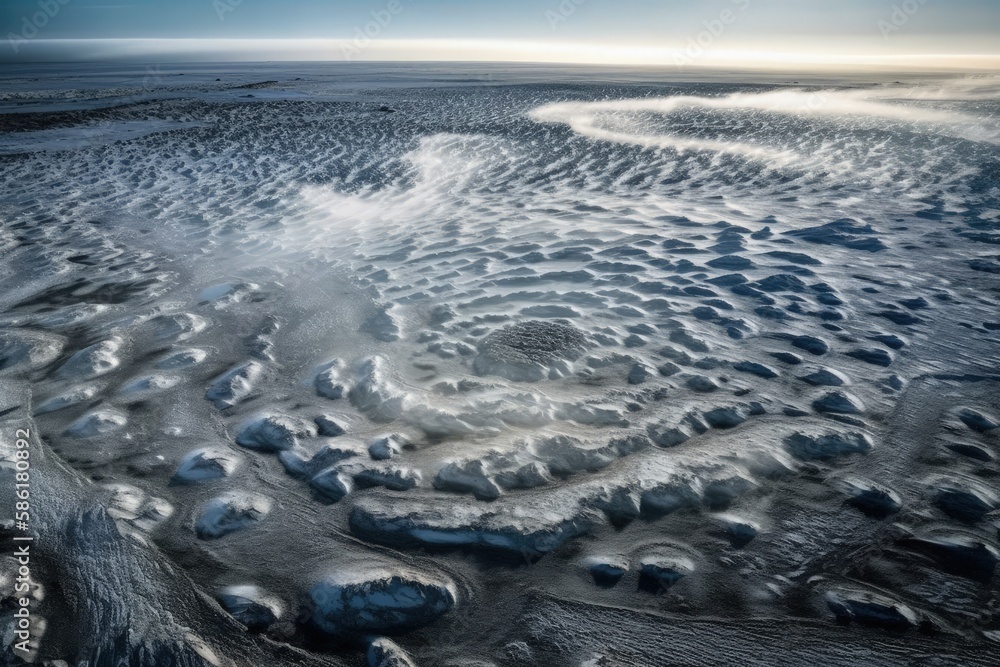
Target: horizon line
473	51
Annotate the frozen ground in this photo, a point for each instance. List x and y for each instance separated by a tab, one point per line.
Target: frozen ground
503	366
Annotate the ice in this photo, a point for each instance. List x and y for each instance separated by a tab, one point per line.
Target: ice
647	348
206	464
231	512
378	601
93	361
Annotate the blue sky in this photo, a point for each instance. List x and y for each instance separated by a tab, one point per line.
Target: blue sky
418	27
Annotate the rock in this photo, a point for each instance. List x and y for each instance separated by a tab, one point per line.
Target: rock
607	572
871	499
811	344
529	476
235	385
385	448
384	652
328	427
834	445
725	418
964	503
701	384
719	494
332	484
388	477
657	574
378	601
739	532
468	477
826	377
977	421
960	555
667	498
298	463
668	369
872	356
531	351
760	370
274	433
640	374
231	512
787	357
870	609
666	435
839	403
206	464
529	533
248	605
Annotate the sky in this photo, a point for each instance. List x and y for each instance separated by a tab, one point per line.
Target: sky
894	33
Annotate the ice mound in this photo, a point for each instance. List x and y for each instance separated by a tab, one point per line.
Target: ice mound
606	571
235	385
660	572
98	359
332	484
531	351
250	606
409	524
870	609
98	422
180	327
23	350
181	359
378	601
829	446
67	399
142	387
960	554
873	499
384	652
230	512
133	506
274	433
375	393
329	383
206	464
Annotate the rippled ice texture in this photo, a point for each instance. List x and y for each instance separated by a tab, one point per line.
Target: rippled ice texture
513	365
